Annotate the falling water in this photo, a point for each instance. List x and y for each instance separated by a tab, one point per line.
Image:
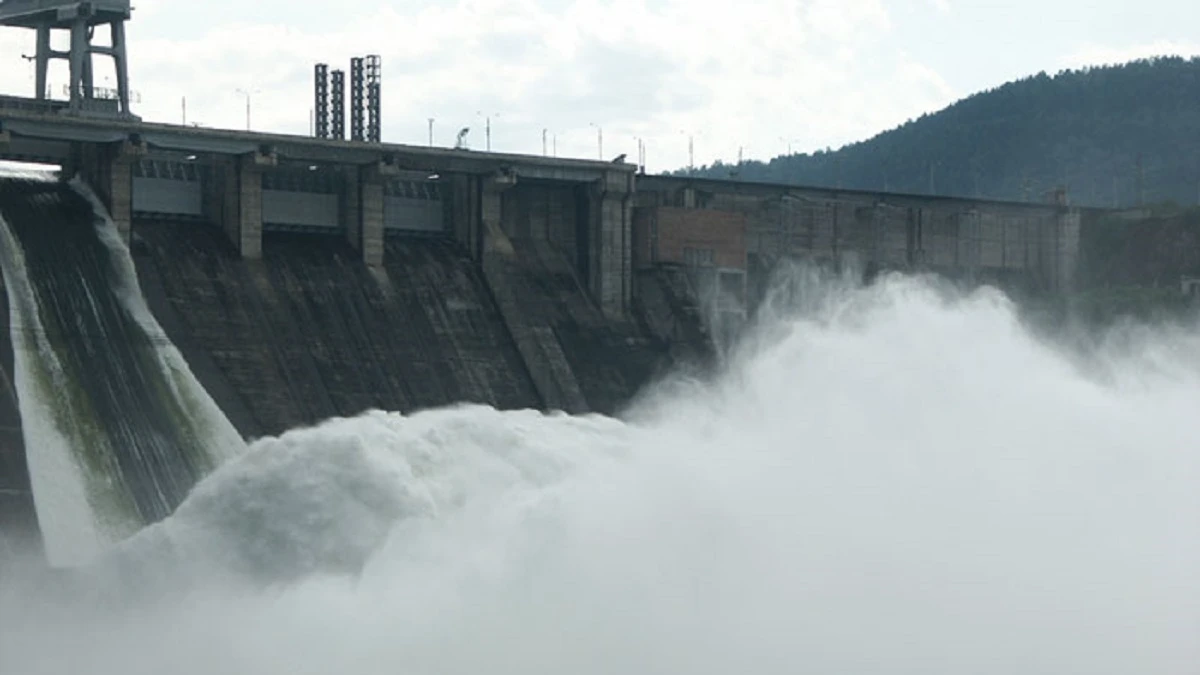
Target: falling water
117	430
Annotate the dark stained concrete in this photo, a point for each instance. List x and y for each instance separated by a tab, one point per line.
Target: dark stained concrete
309	332
670	313
611	360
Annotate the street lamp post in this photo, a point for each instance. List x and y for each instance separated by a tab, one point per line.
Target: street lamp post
487	128
431	132
599	139
691	136
248	94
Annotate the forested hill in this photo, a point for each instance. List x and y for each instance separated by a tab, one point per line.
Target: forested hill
1112	135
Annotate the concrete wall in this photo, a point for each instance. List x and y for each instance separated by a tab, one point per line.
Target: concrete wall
610	245
545	210
461	208
1033	244
688	236
591	224
310	332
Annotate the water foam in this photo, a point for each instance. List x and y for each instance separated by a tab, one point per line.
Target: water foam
900	479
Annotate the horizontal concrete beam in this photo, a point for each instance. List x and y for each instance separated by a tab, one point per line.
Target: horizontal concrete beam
646	184
31	124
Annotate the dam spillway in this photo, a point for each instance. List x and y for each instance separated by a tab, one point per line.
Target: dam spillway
132	337
310	333
116	430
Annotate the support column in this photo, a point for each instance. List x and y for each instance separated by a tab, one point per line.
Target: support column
233	199
461	201
79	50
1068	223
371	186
245	226
371	242
108	171
42	58
120	187
351	206
610	244
491	203
122	66
362	207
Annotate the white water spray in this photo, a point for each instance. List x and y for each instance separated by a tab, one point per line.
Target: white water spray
65	513
900	480
82	506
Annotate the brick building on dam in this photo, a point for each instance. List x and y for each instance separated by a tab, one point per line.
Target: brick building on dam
305	278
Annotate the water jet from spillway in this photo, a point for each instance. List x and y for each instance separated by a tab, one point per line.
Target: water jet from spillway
899	479
117	430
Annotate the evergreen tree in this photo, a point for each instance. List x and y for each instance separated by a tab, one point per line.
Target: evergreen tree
1112	136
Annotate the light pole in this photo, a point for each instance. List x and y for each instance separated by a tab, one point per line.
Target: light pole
544	142
599	139
248	94
691	149
487	128
431	132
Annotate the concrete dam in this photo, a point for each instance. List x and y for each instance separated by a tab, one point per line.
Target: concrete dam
190	280
301	333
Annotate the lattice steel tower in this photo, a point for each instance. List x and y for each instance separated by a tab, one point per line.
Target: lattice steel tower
337	95
374	105
321	103
356	99
80	18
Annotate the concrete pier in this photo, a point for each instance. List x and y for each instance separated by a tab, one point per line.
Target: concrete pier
365	210
244	226
108	170
232	199
610	228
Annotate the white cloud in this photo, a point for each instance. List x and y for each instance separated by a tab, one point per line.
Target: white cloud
757	74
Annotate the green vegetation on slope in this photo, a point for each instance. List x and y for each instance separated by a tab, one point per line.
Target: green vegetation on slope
1119	135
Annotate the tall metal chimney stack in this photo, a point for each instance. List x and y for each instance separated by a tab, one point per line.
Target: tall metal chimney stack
321	94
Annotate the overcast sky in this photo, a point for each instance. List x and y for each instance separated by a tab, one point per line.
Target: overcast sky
758	74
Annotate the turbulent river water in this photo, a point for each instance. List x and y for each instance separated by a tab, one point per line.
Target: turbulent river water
895	479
